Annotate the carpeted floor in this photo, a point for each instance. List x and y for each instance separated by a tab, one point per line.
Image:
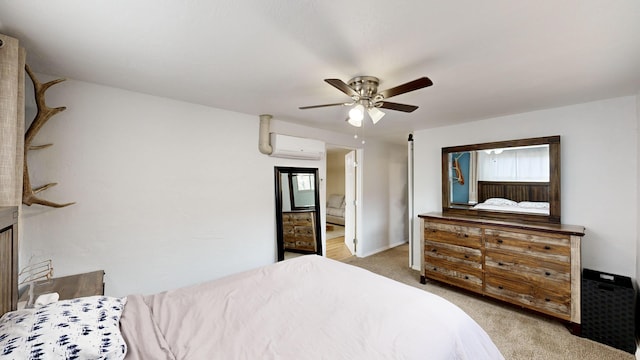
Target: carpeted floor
517	333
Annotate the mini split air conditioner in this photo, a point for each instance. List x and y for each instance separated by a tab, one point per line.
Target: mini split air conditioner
292	147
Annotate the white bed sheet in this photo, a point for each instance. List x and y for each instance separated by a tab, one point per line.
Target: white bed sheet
512	209
308	307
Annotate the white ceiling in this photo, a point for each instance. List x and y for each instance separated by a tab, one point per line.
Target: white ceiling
486	58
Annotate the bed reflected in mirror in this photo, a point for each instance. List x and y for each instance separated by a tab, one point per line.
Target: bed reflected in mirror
297	212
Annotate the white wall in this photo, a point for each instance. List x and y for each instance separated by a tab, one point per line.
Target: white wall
168	193
384	198
335	172
599	154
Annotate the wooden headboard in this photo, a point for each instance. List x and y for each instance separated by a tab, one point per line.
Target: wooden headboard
516	191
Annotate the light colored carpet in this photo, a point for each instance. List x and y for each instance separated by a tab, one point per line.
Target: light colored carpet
336	232
517	333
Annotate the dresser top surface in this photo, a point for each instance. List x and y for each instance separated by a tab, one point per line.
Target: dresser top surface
70	287
556	228
8	216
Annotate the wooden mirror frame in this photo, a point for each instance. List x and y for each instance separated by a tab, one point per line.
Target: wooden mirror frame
278	193
450	209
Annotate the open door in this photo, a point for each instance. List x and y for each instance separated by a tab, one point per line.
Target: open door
350	201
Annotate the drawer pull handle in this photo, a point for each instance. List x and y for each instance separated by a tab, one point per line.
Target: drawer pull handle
434	250
500	264
435	268
499	241
547	273
466	256
466	277
500	287
466	235
547	299
547	247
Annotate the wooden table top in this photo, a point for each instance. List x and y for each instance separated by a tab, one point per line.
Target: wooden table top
69	287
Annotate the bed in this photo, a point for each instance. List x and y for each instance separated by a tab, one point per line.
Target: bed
308	307
502	204
513	197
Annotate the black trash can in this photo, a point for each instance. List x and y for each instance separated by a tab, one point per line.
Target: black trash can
608	309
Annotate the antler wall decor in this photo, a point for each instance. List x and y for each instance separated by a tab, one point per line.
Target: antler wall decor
42	116
456	166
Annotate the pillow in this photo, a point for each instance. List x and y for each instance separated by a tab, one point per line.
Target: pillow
82	328
500	201
534	204
335	201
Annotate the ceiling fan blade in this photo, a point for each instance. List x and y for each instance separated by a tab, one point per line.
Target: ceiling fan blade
342	86
319	106
405	88
399	107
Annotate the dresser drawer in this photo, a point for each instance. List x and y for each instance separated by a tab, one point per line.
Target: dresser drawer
304	231
288	232
306	237
460	255
528	268
526	244
530	295
464	277
298	218
305	244
302	219
453	234
289	242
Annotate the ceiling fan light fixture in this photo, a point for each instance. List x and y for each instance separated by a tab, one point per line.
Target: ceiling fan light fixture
354	122
357	113
375	114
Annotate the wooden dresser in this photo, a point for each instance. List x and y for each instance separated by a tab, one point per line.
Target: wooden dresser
69	287
8	259
536	266
299	231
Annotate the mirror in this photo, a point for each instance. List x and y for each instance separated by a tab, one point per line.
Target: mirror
297	211
516	180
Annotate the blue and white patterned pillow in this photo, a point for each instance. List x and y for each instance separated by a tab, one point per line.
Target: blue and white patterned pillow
82	328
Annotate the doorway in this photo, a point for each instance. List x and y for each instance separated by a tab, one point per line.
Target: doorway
342	181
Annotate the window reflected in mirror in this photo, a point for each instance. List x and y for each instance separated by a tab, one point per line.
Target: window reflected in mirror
302	188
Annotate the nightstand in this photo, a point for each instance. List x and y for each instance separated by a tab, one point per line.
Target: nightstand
69	287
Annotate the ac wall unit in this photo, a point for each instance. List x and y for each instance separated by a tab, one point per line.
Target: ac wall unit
292	147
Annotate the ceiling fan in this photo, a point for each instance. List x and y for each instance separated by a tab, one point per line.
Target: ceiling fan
363	91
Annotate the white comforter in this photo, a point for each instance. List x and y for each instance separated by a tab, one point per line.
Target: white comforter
304	308
513	208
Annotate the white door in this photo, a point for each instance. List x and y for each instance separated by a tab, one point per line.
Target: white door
349	200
